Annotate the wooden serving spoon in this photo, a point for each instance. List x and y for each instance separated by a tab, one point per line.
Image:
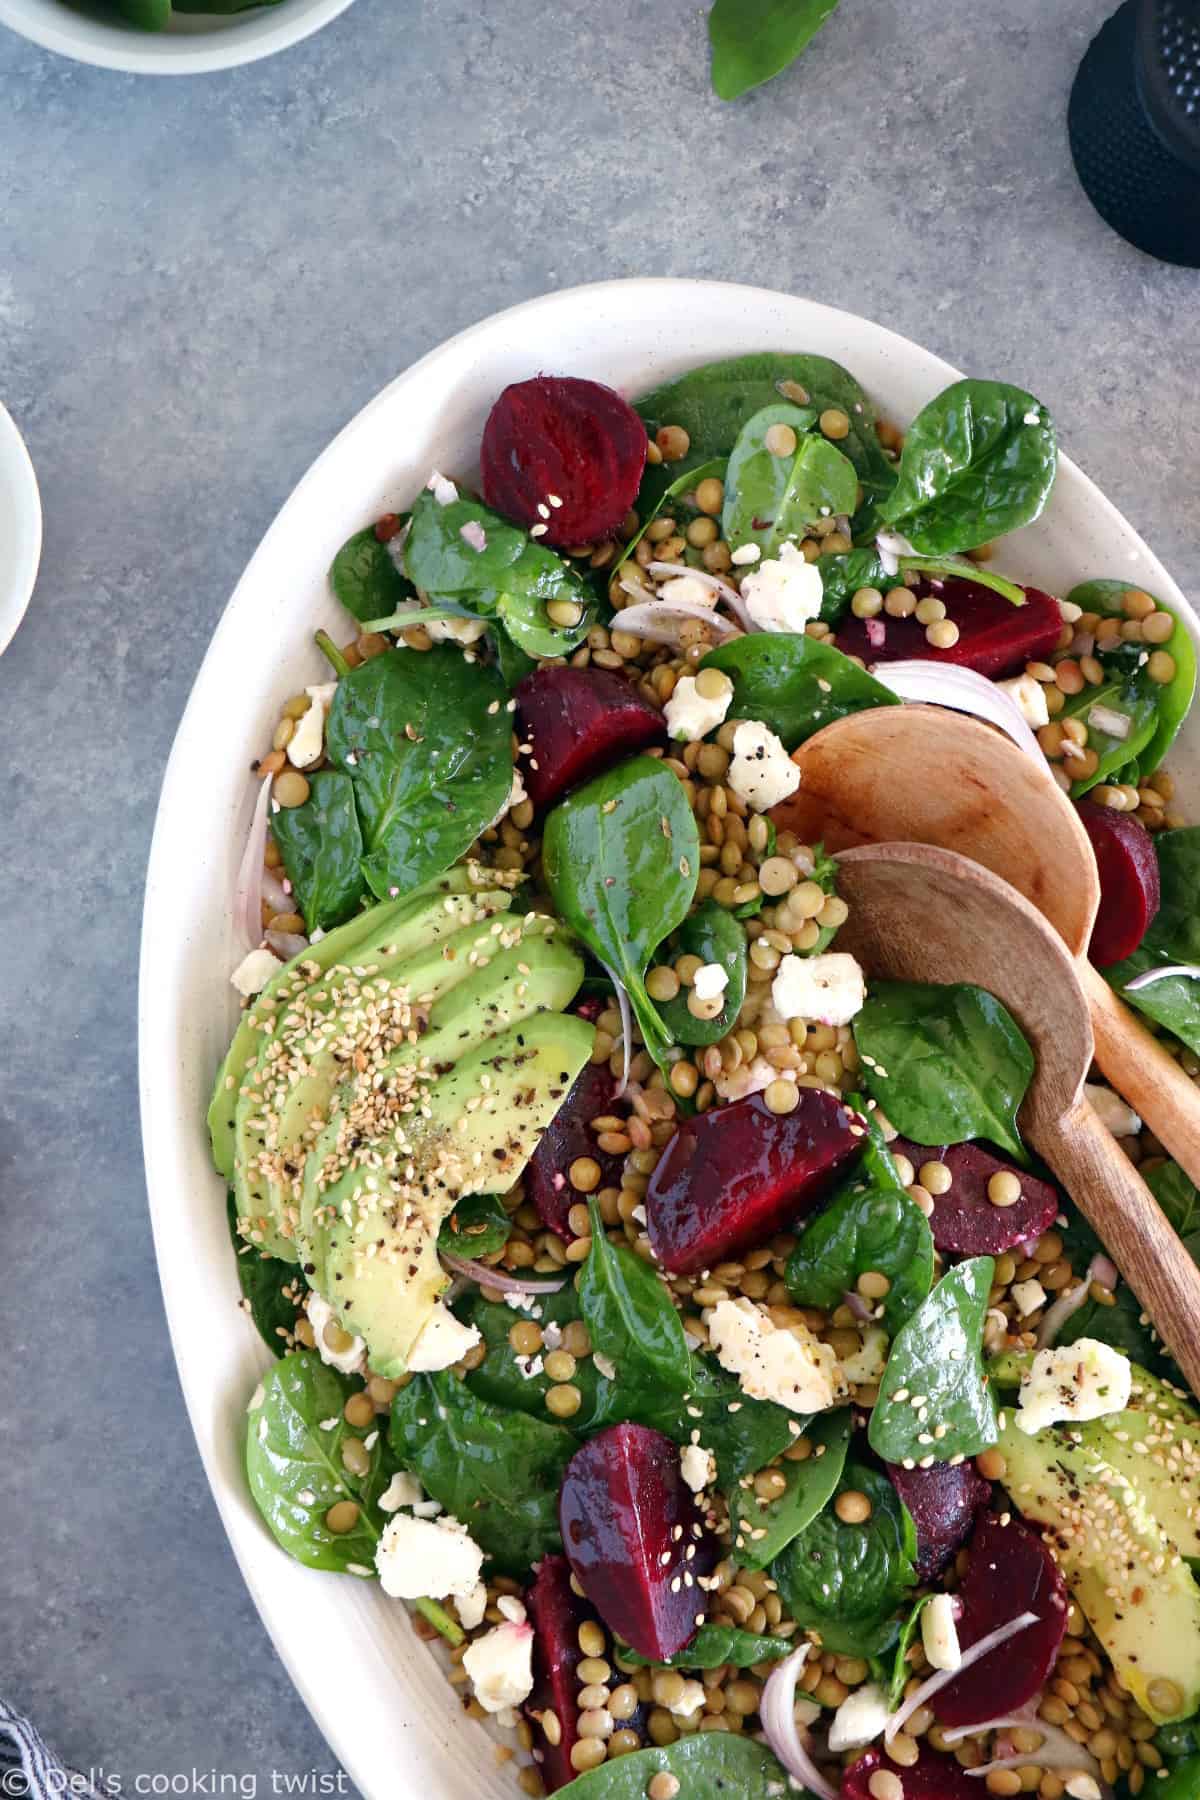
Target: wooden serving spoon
923	774
918	913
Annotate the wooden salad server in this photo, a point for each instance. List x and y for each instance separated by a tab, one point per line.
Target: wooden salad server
923	774
918	913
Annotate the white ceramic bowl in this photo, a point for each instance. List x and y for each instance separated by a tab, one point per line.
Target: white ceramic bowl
20	529
193	44
374	1690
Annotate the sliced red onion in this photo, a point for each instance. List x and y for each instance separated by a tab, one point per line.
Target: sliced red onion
1112	723
473	534
723	589
857	1305
1056	1750
286	943
1056	1316
945	684
247	899
626	1012
890	547
496	1278
942	1677
777	1711
1024	1719
1191	970
876	633
658	621
274	893
1104	1270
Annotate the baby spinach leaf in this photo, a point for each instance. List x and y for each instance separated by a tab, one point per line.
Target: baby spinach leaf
1173	1002
1128	690
761	1530
877	1168
934	1380
498	1472
843	575
631	1317
511	660
621	858
1125	1327
715	1764
714	1645
744	1435
846	1581
1183	1782
755	40
901	1667
794	684
366	579
1174	931
271	1288
1180	1201
511	578
504	1381
978	461
713	402
321	845
873	1229
712	934
1173	700
945	1063
294	1437
772	499
682	489
427	744
478	1226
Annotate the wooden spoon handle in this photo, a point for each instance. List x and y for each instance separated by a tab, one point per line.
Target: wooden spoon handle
1143	1073
1119	1206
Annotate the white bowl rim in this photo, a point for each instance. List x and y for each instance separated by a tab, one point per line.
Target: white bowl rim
243	38
18	479
159	1072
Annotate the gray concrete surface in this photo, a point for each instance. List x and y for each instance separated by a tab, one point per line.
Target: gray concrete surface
200	281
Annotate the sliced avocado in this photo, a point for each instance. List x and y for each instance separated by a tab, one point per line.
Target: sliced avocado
539	974
1149	1392
310	1036
371	926
1124	1571
1161	1456
374	1234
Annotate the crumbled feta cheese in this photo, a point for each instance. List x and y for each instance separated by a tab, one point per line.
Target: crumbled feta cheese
710	981
748	1078
1083	1380
1083	1787
1030	698
454	631
442	1341
605	1365
890	546
783	593
307	741
437	1558
746	553
866	1364
402	1490
787	1365
689	590
761	772
471	1607
350	1361
691	715
698	1467
500	1665
829	989
516	794
939	1633
442	488
1029	1295
690	1701
1111	1110
254	971
860	1719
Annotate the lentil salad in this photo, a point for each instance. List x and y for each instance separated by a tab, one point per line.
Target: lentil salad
699	1294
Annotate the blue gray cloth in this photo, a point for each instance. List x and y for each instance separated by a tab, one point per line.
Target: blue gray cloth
28	1766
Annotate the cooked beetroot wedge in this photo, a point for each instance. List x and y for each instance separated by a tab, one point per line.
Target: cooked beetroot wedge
964	1221
579	722
995	638
1009	1572
943	1501
1129	885
564	457
567	1137
730	1179
556	1612
635	1538
932	1777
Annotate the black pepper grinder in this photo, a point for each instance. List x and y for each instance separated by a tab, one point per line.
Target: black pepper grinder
1134	126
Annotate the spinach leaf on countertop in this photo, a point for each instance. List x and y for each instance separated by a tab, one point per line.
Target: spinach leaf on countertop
978	461
498	1472
322	848
621	858
934	1399
945	1063
755	40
